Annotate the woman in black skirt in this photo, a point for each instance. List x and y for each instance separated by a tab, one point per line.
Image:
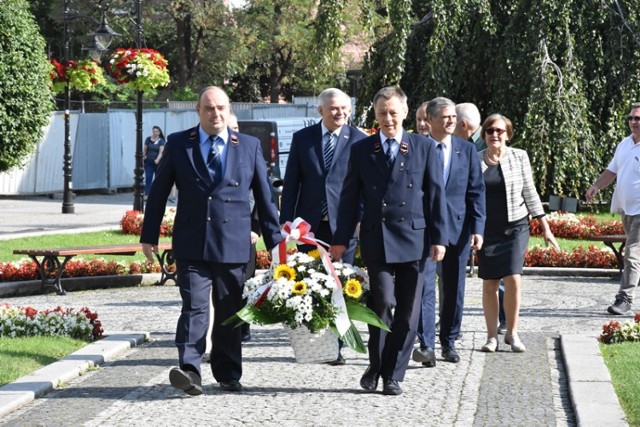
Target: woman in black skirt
511	198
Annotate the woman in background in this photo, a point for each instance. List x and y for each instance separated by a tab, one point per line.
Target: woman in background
511	198
153	147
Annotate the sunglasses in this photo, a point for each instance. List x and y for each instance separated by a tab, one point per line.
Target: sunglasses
495	131
634	118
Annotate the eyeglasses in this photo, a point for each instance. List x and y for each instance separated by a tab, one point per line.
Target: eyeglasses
495	131
634	118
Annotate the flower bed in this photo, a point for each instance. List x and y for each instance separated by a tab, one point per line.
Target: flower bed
615	332
571	226
27	321
78	267
131	223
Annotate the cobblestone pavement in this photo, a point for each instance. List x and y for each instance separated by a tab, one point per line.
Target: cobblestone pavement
504	388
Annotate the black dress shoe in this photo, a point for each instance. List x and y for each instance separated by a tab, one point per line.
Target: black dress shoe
338	362
369	380
231	385
450	354
425	355
187	381
391	388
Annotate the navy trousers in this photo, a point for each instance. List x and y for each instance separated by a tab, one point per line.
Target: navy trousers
452	271
197	280
396	300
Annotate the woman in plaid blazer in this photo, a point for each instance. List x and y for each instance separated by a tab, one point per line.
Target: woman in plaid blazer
511	198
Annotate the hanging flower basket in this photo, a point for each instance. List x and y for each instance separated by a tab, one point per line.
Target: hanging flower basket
142	69
84	75
58	76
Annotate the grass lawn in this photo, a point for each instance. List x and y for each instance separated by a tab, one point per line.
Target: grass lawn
50	241
22	356
623	361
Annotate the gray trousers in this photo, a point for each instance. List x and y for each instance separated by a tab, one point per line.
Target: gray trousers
631	275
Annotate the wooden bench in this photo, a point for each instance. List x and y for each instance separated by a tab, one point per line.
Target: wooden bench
610	241
50	261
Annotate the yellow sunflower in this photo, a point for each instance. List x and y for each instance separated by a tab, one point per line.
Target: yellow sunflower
315	254
299	288
353	288
283	270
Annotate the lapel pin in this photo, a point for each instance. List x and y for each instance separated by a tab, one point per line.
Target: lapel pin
377	147
193	135
404	148
234	139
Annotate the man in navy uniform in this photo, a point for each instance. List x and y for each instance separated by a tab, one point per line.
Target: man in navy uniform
399	178
214	169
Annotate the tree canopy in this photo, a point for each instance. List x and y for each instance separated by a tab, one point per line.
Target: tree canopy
565	72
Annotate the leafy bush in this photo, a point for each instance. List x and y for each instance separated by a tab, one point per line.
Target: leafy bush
24	84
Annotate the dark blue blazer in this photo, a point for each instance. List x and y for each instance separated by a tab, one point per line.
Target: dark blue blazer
465	194
404	207
307	183
213	223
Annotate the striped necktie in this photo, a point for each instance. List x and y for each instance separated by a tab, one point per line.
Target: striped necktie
389	153
214	160
328	150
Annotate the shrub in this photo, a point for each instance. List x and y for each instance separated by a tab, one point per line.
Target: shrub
24	84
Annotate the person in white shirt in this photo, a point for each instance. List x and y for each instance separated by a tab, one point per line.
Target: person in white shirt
625	169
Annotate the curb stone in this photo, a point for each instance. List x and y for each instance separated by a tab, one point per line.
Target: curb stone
28	388
594	399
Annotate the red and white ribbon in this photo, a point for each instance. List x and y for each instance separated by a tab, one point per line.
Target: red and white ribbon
299	231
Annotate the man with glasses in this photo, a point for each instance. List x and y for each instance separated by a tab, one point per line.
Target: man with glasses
625	169
465	199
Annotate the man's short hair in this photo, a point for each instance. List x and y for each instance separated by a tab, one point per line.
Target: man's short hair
389	92
468	112
331	93
635	105
436	105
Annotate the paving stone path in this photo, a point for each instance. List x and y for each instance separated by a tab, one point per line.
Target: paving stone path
482	390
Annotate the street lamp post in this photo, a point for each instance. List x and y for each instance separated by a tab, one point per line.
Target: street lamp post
67	199
138	185
102	38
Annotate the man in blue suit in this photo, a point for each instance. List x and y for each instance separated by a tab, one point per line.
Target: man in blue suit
314	176
465	195
214	169
316	168
398	176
